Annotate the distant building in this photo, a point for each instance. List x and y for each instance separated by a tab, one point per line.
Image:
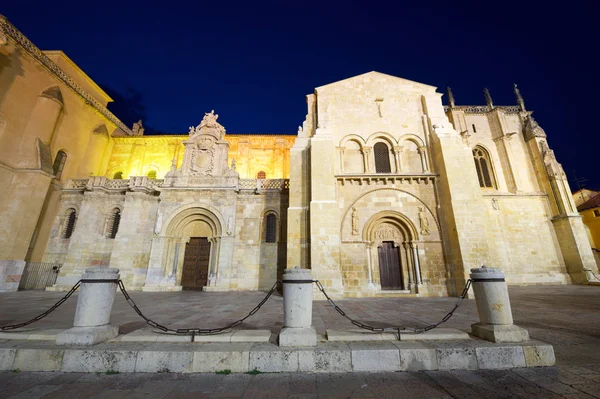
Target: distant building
382	191
588	205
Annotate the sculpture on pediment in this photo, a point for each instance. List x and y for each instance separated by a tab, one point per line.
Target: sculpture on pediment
138	128
423	221
354	222
208	125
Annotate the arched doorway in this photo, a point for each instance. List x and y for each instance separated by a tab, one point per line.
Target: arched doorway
393	261
193	238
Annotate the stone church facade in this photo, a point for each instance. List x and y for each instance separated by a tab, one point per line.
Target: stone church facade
383	191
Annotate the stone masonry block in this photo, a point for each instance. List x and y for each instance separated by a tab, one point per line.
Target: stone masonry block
327	358
375	356
500	357
539	355
416	356
89	361
163	362
38	359
267	358
463	358
7	356
215	357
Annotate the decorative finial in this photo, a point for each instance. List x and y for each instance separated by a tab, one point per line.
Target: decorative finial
450	97
488	99
520	101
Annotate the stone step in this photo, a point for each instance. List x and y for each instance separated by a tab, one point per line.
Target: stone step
329	357
440	334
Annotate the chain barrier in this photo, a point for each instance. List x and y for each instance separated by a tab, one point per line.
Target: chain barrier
46	313
194	331
399	328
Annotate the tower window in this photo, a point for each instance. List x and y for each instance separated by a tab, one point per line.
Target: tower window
271	228
474	128
59	164
152	174
70	225
118	175
382	158
483	166
261	175
115	220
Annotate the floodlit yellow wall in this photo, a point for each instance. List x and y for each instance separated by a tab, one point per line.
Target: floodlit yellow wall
138	156
593	224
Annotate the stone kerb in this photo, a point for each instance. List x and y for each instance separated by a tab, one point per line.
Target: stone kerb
297	309
493	306
94	305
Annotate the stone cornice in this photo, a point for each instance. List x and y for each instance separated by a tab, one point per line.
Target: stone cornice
483	109
8	29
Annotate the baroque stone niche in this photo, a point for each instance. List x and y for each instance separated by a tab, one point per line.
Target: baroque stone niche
205	157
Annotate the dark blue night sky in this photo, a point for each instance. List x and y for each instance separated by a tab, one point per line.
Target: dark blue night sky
254	62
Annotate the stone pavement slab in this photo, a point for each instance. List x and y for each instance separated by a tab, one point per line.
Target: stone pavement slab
549	382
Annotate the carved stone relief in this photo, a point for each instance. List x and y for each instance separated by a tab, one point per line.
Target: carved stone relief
354	222
386	231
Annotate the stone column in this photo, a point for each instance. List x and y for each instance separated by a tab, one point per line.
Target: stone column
397	150
367	158
297	309
423	154
94	304
342	159
417	264
493	306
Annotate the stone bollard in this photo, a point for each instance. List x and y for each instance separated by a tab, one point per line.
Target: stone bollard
94	304
297	309
493	305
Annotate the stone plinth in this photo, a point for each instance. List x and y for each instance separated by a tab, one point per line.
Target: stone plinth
94	304
297	309
11	272
493	307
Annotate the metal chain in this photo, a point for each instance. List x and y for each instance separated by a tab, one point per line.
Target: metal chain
399	328
46	313
194	331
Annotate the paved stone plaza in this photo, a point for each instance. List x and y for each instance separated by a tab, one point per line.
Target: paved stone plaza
565	316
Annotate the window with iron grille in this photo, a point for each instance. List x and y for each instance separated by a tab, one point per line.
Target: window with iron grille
597	213
271	228
59	164
115	220
70	224
382	158
483	166
261	175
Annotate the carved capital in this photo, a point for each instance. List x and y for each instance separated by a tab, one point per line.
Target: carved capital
367	150
397	148
421	149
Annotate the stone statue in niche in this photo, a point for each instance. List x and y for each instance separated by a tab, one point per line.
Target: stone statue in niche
354	222
424	222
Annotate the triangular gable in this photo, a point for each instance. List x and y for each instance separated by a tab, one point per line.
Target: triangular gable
379	75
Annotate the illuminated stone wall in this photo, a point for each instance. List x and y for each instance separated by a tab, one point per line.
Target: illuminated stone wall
137	156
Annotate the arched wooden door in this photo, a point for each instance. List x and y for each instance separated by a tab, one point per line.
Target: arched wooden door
389	266
195	263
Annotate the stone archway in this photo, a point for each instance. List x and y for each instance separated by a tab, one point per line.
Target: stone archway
393	262
193	229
